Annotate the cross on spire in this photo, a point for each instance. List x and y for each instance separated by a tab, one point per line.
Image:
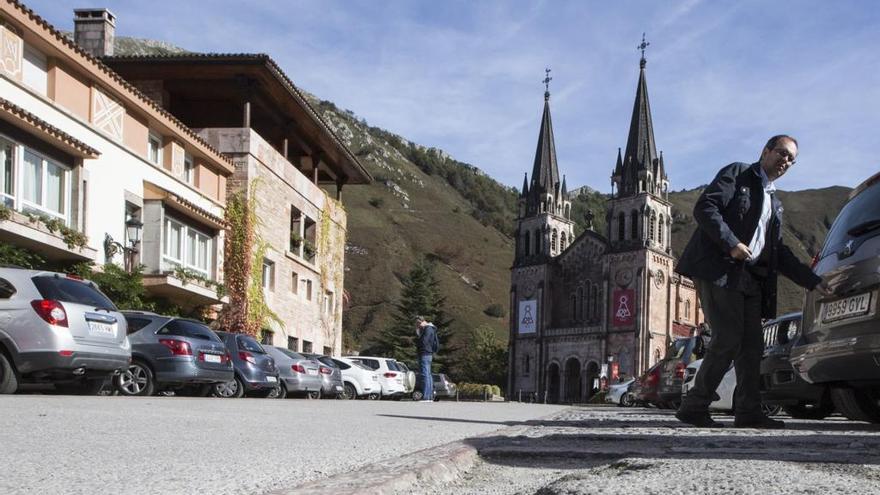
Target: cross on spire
546	82
644	44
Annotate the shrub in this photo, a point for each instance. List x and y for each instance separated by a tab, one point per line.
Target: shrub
477	390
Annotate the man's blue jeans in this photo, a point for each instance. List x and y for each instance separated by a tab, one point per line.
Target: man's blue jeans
428	378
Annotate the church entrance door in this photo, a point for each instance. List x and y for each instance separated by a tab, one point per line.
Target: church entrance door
573	380
553	383
592	379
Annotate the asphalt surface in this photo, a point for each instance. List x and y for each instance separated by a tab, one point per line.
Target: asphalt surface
120	445
588	450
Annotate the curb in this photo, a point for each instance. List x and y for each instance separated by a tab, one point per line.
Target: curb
428	467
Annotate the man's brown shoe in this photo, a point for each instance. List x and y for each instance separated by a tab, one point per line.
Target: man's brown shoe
698	419
760	422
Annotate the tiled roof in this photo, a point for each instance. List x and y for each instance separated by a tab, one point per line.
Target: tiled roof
144	99
23	115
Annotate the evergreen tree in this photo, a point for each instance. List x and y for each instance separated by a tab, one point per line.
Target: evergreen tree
484	358
420	296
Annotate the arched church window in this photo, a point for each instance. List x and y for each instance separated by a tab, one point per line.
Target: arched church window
634	226
553	239
660	227
538	241
562	241
573	307
581	300
652	233
528	243
621	226
656	355
687	309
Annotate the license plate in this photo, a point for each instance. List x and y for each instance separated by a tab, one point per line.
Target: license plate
271	379
102	329
311	371
212	358
847	307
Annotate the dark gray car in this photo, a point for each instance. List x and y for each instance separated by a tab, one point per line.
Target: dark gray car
170	353
299	374
841	331
331	374
255	370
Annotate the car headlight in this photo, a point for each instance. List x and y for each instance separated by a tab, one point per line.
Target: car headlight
792	331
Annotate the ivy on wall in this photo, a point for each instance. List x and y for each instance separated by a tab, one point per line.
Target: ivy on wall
331	245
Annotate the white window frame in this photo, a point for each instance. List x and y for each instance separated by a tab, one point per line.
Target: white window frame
157	138
189	169
66	187
294	282
8	199
267	275
184	247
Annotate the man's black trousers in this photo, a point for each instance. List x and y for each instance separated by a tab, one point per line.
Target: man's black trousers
734	317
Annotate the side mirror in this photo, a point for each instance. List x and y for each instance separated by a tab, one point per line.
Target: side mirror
6	289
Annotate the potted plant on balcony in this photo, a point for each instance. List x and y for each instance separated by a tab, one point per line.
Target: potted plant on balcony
295	241
309	250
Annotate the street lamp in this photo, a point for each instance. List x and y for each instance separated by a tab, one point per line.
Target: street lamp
133	228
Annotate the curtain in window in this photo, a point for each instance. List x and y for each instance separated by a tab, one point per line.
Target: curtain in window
7	180
172	239
54	188
33	178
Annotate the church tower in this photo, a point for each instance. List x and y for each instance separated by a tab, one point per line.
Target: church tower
639	220
544	225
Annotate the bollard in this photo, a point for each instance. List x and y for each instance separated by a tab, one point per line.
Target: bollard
456	395
520	395
545	397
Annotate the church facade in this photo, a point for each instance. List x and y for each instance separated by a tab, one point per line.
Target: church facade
611	298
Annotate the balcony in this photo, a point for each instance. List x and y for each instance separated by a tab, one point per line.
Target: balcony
39	235
183	290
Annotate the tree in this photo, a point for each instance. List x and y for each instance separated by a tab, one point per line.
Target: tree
483	359
420	296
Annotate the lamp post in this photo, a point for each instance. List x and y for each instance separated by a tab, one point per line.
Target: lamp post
133	228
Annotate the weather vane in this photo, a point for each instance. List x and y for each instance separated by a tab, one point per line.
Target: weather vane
643	45
546	81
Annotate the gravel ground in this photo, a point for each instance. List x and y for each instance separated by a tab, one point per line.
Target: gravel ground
586	450
119	445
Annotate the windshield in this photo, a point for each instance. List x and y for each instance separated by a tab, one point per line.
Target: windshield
249	344
292	354
860	217
73	291
392	365
191	329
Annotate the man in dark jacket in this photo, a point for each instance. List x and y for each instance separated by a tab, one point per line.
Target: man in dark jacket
427	344
734	257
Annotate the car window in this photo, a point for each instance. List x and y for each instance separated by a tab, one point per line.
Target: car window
373	364
392	365
135	324
860	212
341	364
291	354
328	361
72	291
248	343
7	290
186	328
361	366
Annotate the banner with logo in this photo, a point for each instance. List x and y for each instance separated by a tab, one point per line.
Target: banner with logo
528	316
623	307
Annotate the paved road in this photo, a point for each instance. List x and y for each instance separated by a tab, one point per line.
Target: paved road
588	450
119	445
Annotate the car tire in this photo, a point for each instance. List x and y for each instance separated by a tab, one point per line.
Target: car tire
626	400
349	391
374	396
417	395
8	379
233	389
136	380
803	411
281	391
313	395
770	409
857	405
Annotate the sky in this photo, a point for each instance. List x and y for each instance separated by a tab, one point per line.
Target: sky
465	76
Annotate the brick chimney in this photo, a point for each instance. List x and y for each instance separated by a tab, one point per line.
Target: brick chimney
94	30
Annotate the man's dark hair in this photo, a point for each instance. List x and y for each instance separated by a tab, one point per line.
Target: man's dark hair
771	143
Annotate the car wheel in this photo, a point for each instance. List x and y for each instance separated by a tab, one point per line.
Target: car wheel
857	405
626	400
280	392
316	394
374	396
349	392
8	380
417	395
809	411
770	410
232	389
136	380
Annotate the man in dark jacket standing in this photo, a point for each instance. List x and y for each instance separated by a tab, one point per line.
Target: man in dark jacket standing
427	344
734	257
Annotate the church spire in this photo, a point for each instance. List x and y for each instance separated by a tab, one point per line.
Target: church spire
525	187
641	150
545	172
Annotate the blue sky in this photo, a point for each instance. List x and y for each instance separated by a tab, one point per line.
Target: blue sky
465	76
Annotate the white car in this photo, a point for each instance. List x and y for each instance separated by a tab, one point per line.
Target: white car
358	380
391	377
725	389
619	394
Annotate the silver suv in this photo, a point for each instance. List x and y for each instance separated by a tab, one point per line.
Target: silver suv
60	329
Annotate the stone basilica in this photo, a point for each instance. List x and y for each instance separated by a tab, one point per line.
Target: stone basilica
612	298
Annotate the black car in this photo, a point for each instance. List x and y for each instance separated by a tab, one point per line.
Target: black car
780	385
255	370
841	331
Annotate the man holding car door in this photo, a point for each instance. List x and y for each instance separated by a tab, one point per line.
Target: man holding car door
734	257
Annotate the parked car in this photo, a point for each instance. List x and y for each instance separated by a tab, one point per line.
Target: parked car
255	370
298	374
725	391
841	331
57	328
332	384
409	380
390	376
443	387
171	353
680	354
780	385
620	393
648	387
358	380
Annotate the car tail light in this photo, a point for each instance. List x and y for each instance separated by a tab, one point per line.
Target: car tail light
679	369
298	368
246	356
390	374
225	358
326	371
178	347
50	311
66	353
72	276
